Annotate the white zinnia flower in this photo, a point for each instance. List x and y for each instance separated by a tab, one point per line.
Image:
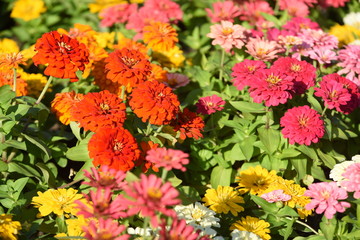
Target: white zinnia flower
352	19
244	235
140	231
340	168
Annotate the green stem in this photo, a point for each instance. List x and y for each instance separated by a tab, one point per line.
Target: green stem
267	124
305	225
145	226
71	183
323	112
221	73
44	90
123	88
14	80
164	174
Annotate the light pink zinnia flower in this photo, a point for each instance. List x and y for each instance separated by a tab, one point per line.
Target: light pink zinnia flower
276	196
325	196
318	39
168	158
244	72
302	125
295	8
323	55
223	11
209	105
176	80
177	230
150	196
105	177
352	179
262	49
349	60
227	35
102	229
119	13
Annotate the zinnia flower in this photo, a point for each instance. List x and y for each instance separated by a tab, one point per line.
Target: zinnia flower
262	49
28	9
325	196
227	35
9	229
115	147
256	180
348	60
243	72
99	109
154	102
223	11
189	124
253	224
150	196
63	103
210	104
176	80
169	8
302	125
242	235
160	36
62	54
351	180
105	229
105	177
118	13
336	173
127	67
145	146
223	199
177	230
276	196
168	158
7	78
59	201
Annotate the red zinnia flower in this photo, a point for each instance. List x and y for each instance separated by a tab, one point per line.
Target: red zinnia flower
115	147
302	125
99	109
154	102
189	124
127	67
63	54
209	104
244	71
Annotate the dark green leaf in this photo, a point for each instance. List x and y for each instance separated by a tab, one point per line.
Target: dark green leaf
23	169
40	144
268	207
220	176
47	174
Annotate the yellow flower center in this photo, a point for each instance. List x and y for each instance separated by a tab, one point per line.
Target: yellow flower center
303	121
167	158
105	107
130	62
63	47
295	68
227	31
325	194
118	146
154	193
251	68
106	179
273	79
197	214
105	235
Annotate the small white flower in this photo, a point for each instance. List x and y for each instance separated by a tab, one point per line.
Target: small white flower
244	235
340	168
140	231
198	214
352	19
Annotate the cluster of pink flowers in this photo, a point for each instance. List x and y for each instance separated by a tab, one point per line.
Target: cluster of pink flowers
119	13
349	61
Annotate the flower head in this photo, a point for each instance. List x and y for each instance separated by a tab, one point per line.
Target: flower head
177	230
262	49
118	13
105	177
352	179
114	147
105	229
176	80
254	225
348	60
63	54
336	173
168	158
8	228
325	196
62	105
189	124
28	9
223	199
170	9
302	125
154	102
223	11
59	201
210	104
160	36
276	196
244	72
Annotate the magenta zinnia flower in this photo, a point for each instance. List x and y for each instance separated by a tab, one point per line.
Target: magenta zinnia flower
177	230
352	179
244	72
105	177
325	196
302	125
102	229
227	35
168	158
223	11
150	196
294	25
349	60
209	105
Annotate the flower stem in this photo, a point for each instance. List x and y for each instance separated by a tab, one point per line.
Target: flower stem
267	124
323	112
145	226
164	174
14	80
304	224
44	90
123	87
221	73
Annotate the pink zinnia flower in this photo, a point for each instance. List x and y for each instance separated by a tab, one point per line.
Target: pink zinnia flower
119	13
176	80
302	125
169	8
276	196
332	3
352	179
105	177
177	230
304	73
295	8
325	196
100	204
262	49
223	11
227	35
251	11
102	229
323	55
209	105
349	60
150	196
272	86
294	25
168	158
244	71
319	39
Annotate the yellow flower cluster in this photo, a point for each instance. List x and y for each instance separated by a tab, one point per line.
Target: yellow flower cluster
8	228
8	45
253	224
98	5
35	83
345	33
28	9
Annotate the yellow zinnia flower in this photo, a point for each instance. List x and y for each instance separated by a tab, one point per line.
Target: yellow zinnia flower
253	224
35	82
8	45
8	228
345	33
75	227
58	201
28	9
171	58
223	200
256	179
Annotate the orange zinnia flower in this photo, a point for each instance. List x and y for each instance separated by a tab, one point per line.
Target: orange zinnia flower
154	102
64	55
62	104
7	78
11	60
127	67
114	147
157	73
99	109
102	81
189	124
160	36
133	45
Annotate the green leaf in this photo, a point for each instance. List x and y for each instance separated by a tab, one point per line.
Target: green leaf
188	195
314	103
76	130
326	159
250	107
287	211
7	126
6	94
268	207
80	174
308	151
328	227
60	223
289	153
247	146
15	144
220	176
3	166
23	169
40	144
288	230
271	18
47	174
171	177
270	138
19	186
80	152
